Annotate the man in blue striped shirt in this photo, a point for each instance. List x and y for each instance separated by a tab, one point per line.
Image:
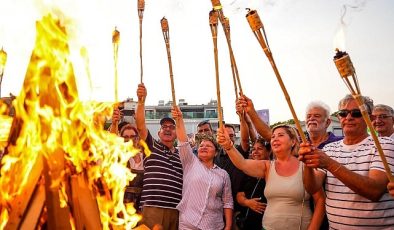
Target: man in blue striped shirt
162	189
352	172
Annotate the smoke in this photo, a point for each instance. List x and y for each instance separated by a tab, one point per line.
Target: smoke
345	21
357	6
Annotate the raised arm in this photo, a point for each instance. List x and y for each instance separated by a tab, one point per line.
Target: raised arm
116	115
180	125
256	168
313	179
140	111
372	186
261	127
244	128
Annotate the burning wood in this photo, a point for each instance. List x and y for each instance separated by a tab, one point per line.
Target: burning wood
57	139
346	69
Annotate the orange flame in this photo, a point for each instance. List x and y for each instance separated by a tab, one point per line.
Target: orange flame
54	124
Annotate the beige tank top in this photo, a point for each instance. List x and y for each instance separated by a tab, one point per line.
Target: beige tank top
287	201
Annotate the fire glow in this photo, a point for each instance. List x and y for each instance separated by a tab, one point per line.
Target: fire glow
58	139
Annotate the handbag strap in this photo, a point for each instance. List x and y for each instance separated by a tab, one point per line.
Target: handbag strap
251	196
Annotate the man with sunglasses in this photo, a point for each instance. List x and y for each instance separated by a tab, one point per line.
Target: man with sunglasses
383	120
352	172
162	183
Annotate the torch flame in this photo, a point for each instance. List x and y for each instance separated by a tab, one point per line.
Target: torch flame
340	39
51	122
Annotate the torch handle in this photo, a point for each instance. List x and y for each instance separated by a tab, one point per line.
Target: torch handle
218	82
215	52
268	53
236	78
116	71
141	69
367	120
171	73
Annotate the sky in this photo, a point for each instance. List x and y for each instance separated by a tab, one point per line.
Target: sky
301	35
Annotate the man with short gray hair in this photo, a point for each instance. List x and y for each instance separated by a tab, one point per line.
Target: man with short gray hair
352	172
383	120
317	121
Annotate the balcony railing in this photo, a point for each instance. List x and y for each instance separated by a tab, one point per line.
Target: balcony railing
186	115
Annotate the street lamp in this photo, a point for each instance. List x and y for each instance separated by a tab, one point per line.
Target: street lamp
3	61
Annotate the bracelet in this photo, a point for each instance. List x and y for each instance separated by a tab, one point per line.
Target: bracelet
337	168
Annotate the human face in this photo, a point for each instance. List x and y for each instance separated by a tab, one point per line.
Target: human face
167	132
129	134
352	126
205	128
231	134
281	141
259	152
383	122
316	120
206	151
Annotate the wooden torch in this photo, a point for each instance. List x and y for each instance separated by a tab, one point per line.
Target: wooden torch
166	34
141	8
226	28
258	30
213	23
348	74
115	43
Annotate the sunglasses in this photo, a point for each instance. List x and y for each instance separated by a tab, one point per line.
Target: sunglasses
355	113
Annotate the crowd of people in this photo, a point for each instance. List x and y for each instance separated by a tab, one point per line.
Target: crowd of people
270	180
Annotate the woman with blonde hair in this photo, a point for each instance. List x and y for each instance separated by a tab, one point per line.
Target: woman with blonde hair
287	201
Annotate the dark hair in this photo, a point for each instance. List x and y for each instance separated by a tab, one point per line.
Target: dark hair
128	126
205	122
229	126
264	143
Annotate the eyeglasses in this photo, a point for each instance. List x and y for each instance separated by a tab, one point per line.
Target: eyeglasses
381	116
171	127
355	113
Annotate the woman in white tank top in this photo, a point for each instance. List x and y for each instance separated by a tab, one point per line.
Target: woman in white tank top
287	201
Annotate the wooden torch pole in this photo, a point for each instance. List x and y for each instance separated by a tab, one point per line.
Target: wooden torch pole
213	23
166	35
141	8
115	43
226	28
346	69
257	27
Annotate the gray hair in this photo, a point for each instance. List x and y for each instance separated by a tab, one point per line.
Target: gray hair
321	105
384	108
367	101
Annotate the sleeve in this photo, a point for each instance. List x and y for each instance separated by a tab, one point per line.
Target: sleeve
186	154
149	141
245	154
227	196
388	150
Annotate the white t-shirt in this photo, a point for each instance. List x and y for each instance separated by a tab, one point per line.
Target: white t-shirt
346	209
